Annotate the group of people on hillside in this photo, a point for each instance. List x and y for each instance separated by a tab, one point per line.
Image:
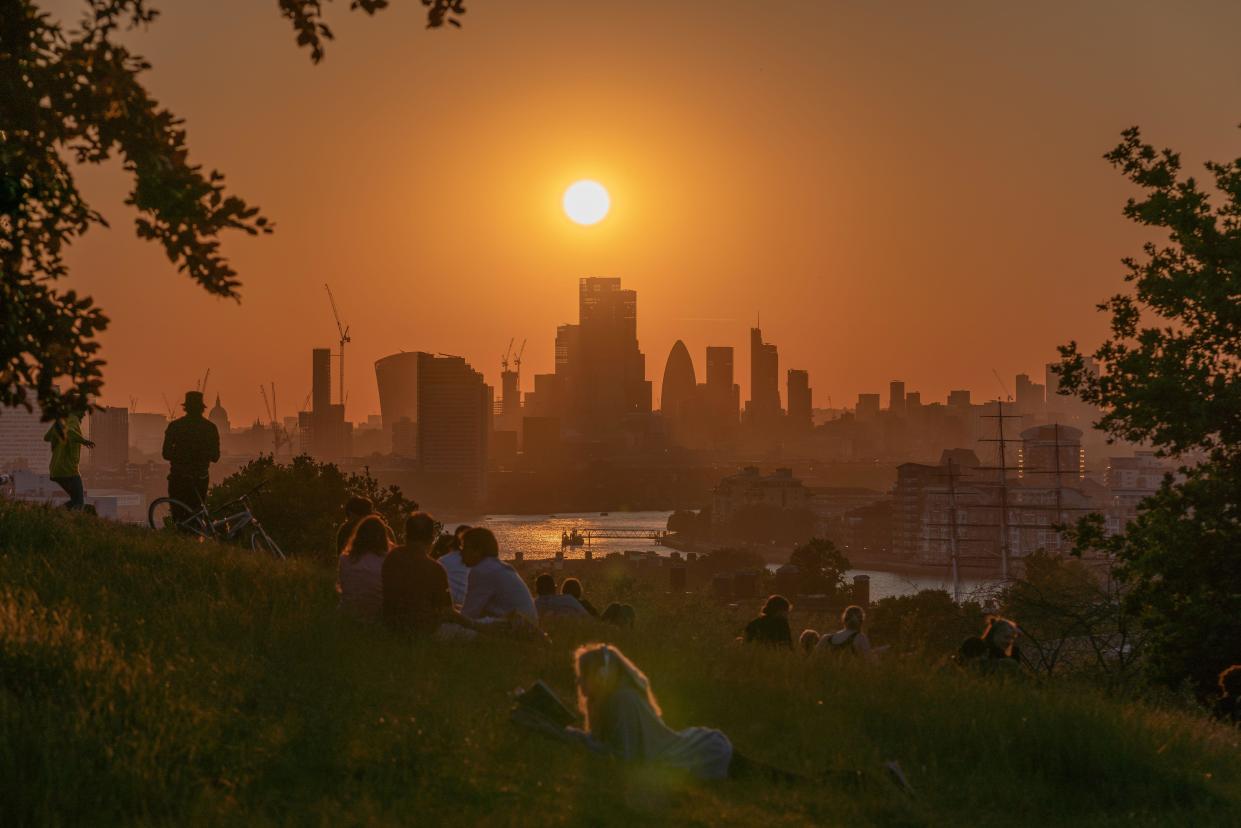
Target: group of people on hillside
994	651
446	584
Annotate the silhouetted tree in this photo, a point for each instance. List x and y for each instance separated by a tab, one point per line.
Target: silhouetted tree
75	96
1170	374
822	566
301	503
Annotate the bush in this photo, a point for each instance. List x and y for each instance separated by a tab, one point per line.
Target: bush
300	504
928	622
822	566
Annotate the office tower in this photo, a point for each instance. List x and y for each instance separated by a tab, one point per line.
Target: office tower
510	393
325	434
320	379
913	401
396	376
454	423
602	370
763	409
1030	395
867	407
723	394
21	439
680	382
801	409
109	429
896	397
959	399
146	431
405	438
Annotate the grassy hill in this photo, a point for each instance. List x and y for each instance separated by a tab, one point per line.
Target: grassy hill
148	679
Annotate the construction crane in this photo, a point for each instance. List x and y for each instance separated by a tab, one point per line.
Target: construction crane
517	360
343	330
202	389
279	438
507	351
171	415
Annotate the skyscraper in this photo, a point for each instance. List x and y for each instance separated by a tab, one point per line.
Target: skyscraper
454	422
604	371
680	381
763	409
896	397
867	407
801	408
325	432
109	429
723	394
396	375
21	439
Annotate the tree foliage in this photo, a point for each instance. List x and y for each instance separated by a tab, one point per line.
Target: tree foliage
822	566
1170	374
301	504
75	95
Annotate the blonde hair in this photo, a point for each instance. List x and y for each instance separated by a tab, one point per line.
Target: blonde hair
615	671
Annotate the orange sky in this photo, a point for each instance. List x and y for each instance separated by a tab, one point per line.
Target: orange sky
904	190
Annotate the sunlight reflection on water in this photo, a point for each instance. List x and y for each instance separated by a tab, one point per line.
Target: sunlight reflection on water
538	537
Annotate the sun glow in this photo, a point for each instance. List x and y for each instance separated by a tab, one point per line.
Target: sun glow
586	202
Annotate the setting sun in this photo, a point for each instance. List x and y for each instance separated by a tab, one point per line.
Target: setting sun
586	202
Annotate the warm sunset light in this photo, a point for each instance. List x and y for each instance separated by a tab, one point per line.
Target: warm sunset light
586	202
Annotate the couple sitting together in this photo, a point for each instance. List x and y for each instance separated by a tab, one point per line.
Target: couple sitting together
409	590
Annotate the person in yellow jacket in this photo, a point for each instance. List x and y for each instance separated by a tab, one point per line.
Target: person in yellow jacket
67	440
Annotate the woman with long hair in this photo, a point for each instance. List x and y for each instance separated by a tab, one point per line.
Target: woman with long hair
359	573
621	717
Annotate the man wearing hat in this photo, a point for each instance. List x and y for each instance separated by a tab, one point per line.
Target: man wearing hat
191	445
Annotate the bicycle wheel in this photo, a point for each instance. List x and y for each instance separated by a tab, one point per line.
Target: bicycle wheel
160	516
260	541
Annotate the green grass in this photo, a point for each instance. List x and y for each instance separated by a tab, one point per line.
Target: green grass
147	679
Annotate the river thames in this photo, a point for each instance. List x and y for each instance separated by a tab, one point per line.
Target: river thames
538	537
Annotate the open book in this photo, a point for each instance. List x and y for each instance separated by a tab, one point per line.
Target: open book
542	701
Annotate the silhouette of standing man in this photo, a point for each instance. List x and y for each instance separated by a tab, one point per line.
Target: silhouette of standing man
191	445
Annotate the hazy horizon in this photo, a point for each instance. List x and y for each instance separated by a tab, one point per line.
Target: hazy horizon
902	192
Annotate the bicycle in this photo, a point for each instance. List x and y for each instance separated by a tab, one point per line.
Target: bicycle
201	523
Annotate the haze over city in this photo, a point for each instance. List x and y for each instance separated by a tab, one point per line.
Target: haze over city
797	163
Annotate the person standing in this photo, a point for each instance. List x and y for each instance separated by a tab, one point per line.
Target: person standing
191	445
66	438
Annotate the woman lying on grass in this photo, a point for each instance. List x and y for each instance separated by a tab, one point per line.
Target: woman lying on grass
622	718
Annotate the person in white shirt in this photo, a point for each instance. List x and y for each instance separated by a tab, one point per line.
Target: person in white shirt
849	638
549	604
458	572
495	590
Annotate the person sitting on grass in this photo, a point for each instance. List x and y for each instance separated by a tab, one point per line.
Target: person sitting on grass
450	559
359	579
356	508
995	650
572	586
495	590
849	638
622	718
415	587
772	625
808	640
621	615
549	604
